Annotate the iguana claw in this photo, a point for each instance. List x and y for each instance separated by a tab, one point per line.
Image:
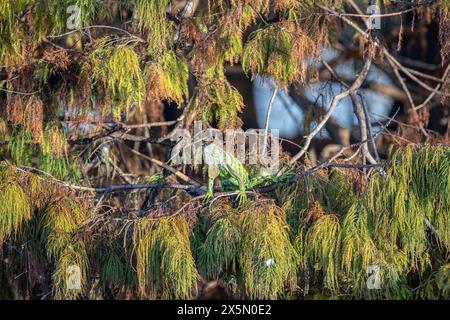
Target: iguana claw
242	196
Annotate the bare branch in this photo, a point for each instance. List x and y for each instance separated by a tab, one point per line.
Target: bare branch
336	99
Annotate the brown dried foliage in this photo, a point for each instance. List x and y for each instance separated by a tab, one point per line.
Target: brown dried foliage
26	111
58	57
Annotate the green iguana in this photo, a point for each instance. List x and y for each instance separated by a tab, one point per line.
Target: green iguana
232	173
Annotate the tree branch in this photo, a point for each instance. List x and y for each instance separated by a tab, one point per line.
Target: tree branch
336	99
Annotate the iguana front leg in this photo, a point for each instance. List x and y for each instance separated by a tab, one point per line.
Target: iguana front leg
213	173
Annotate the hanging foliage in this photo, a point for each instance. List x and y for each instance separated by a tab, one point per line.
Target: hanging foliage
14	205
60	223
267	259
218	101
150	17
54	158
91	207
116	73
168	79
282	52
164	262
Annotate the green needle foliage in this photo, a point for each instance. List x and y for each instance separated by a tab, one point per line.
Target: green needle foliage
164	261
315	235
218	101
19	147
54	158
400	224
51	149
150	17
221	245
414	195
168	79
116	73
281	51
14	206
115	270
267	259
326	236
19	38
322	248
253	244
41	216
61	222
441	279
124	79
446	5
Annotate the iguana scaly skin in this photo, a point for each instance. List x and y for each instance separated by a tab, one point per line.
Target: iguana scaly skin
231	171
233	174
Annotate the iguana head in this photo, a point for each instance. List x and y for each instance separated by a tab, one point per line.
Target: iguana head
213	154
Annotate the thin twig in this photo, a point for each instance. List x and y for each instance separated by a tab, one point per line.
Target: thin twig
336	99
268	114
